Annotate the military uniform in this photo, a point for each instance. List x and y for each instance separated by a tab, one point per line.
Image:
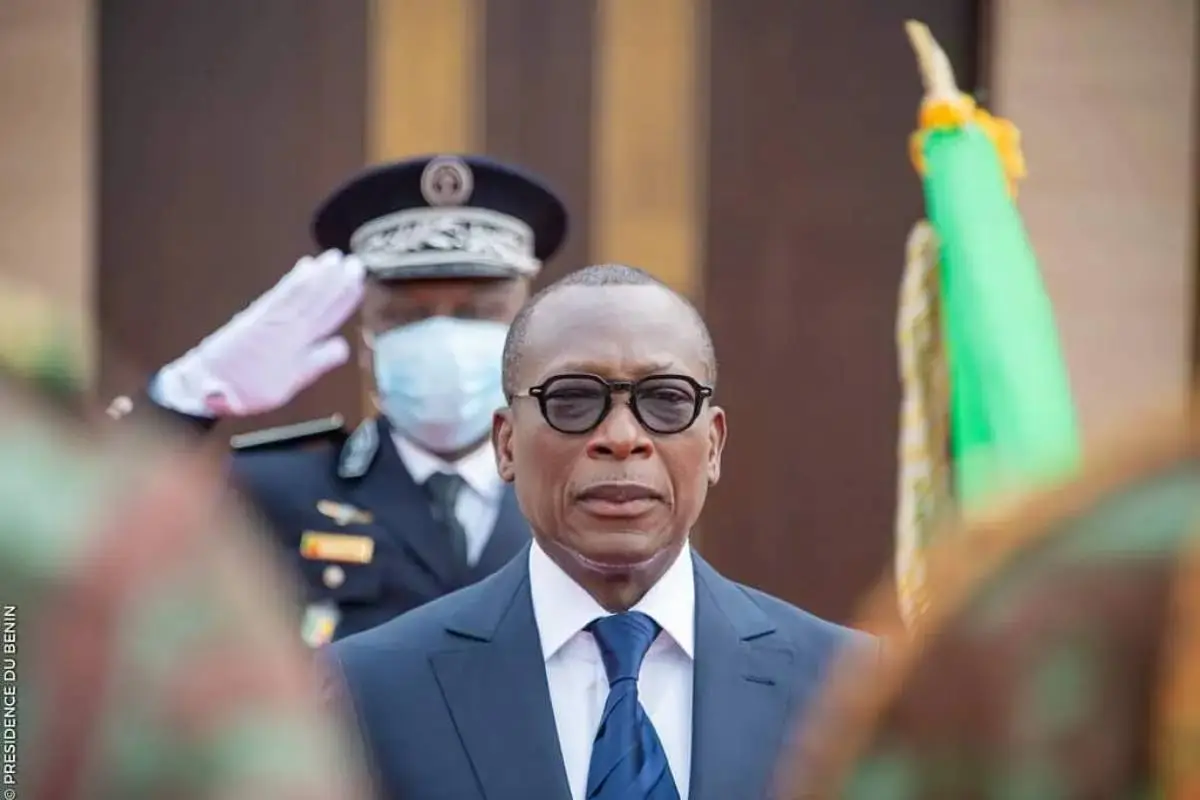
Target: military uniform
349	509
145	630
359	529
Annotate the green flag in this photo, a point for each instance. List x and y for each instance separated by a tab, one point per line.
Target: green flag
1012	419
987	401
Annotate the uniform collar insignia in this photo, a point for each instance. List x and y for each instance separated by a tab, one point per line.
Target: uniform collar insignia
359	451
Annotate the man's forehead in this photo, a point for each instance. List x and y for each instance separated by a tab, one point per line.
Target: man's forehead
620	326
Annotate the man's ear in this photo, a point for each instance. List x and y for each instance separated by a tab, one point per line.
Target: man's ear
502	438
716	443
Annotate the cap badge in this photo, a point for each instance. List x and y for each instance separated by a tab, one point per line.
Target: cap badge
447	181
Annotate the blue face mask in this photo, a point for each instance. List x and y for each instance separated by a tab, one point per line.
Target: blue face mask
439	380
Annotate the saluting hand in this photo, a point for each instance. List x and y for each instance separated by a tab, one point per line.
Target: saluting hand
268	353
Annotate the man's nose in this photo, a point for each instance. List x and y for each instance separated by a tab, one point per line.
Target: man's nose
620	436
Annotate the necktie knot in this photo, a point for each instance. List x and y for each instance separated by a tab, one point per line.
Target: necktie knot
444	488
624	640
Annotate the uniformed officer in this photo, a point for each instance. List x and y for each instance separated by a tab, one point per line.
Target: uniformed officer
439	253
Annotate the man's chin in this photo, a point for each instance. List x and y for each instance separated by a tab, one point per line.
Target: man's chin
615	560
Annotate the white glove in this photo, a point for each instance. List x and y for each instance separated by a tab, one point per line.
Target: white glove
272	350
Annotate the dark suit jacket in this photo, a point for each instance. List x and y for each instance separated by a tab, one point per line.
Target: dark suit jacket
453	702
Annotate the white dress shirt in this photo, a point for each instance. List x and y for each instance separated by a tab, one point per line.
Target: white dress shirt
575	670
478	505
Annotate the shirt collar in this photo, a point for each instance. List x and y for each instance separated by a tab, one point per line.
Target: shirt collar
477	468
562	608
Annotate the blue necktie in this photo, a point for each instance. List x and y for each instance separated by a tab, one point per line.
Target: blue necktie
628	762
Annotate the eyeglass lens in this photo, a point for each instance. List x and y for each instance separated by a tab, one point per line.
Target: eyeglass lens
576	404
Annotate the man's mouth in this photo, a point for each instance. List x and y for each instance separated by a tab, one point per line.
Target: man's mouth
619	499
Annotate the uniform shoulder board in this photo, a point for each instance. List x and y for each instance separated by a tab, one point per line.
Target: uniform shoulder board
291	435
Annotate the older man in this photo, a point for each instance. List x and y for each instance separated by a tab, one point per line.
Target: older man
608	661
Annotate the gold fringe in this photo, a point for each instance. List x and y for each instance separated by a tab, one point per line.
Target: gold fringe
958	113
924	498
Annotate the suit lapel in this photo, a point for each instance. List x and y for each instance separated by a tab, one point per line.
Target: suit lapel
402	510
509	537
741	699
494	683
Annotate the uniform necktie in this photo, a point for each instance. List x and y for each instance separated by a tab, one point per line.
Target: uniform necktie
444	489
628	762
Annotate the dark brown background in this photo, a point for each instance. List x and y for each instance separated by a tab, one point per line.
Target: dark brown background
222	125
223	122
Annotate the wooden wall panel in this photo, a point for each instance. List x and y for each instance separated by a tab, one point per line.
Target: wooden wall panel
423	78
223	124
650	121
811	197
1104	95
538	107
46	170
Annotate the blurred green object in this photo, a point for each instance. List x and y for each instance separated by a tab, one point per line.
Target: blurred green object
1059	658
39	343
1012	416
158	657
1051	646
987	408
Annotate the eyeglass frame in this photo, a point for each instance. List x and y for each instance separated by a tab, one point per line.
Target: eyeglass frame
538	392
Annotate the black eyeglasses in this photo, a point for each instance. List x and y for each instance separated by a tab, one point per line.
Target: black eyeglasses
662	404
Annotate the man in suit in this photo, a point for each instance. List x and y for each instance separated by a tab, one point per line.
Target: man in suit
608	661
440	252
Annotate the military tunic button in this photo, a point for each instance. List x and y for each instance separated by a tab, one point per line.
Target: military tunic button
334	576
119	407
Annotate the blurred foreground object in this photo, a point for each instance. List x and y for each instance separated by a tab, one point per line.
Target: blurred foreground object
1058	660
146	633
38	345
987	407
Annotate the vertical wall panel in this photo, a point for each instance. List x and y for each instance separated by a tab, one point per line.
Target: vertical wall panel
1103	93
811	197
424	94
538	65
222	124
647	174
46	170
